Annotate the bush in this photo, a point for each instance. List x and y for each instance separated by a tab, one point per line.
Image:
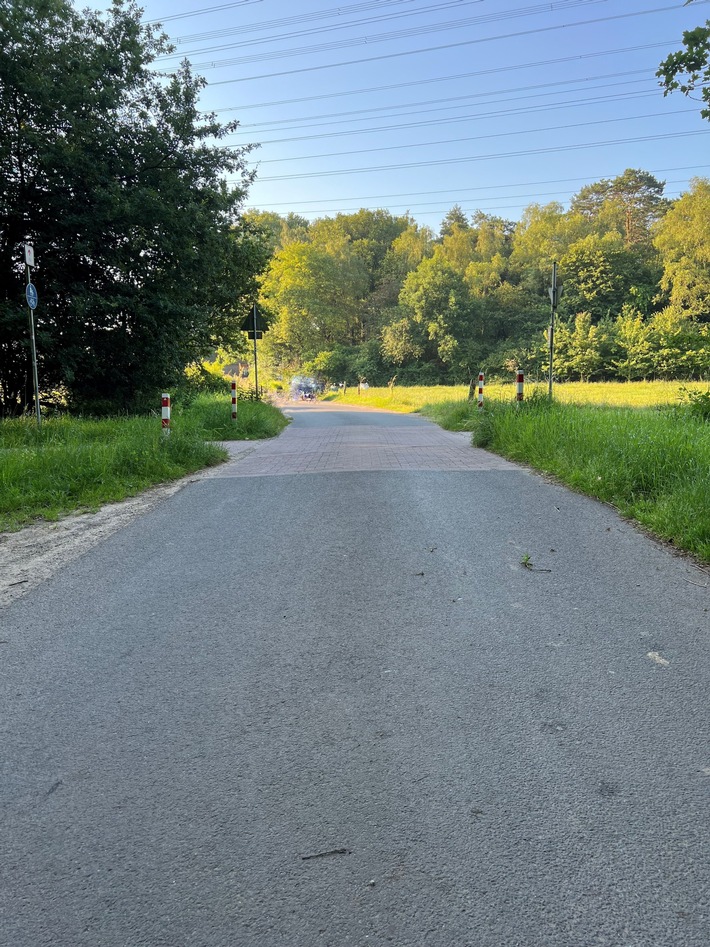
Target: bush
697	403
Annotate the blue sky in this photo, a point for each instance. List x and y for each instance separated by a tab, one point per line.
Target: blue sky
416	105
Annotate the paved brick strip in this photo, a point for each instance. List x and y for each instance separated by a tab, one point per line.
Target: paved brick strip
356	448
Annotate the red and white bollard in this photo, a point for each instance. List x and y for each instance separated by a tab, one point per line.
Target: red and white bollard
234	401
519	385
480	389
166	414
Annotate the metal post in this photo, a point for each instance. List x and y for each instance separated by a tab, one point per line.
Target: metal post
33	348
234	401
519	386
553	307
165	416
256	365
480	389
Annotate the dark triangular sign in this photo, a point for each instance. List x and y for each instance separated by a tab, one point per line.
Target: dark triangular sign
248	323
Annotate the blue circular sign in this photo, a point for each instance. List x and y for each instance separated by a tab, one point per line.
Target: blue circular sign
31	294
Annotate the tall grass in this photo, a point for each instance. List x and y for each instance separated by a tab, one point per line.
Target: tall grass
210	416
652	465
74	464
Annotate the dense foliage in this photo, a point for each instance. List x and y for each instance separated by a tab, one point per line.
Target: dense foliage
688	70
110	170
370	295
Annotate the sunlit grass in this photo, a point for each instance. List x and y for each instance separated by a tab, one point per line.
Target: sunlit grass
636	394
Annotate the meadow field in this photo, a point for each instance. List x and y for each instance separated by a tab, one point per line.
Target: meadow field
635	394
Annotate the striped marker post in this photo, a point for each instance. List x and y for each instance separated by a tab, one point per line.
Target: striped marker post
166	413
480	389
234	401
519	385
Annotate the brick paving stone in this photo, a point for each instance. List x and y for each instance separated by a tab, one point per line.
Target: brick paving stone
350	448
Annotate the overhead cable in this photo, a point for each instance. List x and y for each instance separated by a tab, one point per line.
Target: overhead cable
488	157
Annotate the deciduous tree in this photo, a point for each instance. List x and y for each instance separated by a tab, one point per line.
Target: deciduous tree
109	169
683	239
688	70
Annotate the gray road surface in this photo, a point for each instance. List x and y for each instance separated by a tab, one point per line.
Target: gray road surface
315	700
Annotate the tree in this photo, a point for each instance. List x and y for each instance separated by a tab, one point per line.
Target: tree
633	342
688	70
493	236
683	240
315	292
447	320
629	203
457	248
543	236
454	218
600	274
106	166
579	348
277	230
679	345
404	254
372	234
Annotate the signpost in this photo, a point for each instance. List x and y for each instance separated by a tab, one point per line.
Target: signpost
255	327
32	300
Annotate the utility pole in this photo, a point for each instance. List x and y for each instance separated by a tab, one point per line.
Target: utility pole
32	299
553	291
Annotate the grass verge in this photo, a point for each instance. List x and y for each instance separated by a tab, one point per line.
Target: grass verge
209	416
652	465
74	464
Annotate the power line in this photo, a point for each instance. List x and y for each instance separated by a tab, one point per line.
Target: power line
203	11
427	49
415	82
295	34
488	157
441	211
440	26
289	20
450	120
417	208
464	99
481	187
456	141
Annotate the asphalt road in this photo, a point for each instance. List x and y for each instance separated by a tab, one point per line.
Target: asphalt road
333	708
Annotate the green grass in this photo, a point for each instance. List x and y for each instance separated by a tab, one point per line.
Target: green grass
210	416
74	464
652	465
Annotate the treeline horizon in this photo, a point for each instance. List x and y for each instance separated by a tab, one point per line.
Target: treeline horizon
147	263
372	295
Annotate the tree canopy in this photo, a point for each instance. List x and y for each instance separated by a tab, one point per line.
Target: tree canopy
111	171
688	70
370	294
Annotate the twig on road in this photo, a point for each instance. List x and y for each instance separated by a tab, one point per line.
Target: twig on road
333	851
